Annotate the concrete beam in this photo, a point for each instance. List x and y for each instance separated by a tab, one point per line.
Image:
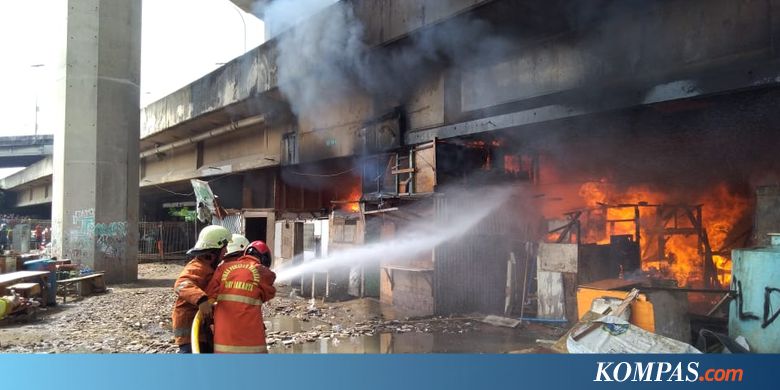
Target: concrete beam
224	168
20	151
40	171
659	57
26	150
612	100
33	195
26	140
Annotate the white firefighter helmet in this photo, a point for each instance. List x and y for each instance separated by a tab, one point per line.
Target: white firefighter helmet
238	244
212	237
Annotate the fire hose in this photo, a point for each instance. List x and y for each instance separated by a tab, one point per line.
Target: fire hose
198	324
195	332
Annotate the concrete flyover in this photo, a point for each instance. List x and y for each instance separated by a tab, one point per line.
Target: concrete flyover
552	66
21	151
32	185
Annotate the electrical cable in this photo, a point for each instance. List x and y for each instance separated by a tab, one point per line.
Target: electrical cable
193	192
322	175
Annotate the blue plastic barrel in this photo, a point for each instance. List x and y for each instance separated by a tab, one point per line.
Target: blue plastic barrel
46	265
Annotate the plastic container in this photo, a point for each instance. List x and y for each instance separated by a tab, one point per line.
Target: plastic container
46	265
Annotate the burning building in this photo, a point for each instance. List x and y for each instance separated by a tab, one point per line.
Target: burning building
626	131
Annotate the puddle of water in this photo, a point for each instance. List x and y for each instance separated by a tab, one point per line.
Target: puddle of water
289	324
487	340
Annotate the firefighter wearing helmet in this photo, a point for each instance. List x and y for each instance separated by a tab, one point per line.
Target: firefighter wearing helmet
240	287
236	248
190	287
260	251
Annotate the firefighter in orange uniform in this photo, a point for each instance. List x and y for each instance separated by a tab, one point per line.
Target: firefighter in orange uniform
240	287
191	285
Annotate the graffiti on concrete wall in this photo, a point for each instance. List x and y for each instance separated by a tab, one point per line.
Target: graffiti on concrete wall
85	236
80	235
111	239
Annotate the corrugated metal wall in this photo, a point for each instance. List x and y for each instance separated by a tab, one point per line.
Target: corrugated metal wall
470	270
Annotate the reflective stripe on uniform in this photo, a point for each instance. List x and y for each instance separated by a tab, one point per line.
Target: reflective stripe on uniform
239	298
240	349
182	285
182	332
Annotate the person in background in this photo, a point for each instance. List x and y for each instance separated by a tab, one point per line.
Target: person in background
3	237
8	304
38	234
191	284
240	287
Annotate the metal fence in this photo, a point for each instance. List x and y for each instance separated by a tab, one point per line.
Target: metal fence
156	240
165	240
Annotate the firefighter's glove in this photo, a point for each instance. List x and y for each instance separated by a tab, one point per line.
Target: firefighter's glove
205	308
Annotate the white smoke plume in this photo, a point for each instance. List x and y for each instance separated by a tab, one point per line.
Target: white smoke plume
324	56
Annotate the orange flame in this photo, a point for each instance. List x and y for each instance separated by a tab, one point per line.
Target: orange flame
512	164
354	200
683	259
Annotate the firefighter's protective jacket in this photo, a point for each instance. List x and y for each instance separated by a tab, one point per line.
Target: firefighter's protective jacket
240	287
190	290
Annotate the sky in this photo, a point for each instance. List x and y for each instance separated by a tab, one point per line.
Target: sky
182	40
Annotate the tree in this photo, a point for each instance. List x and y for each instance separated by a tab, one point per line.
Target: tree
187	214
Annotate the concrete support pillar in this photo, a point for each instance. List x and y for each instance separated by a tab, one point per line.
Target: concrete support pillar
95	202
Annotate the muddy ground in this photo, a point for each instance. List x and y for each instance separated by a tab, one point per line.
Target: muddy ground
135	318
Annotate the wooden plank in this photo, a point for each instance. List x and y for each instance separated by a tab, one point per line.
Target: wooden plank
550	295
642	311
424	146
560	345
381	211
26	290
80	278
557	257
425	176
611	284
19	276
404	170
570	296
618	311
409	269
24	286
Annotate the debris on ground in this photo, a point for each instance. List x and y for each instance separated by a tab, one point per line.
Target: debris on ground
133	318
136	318
616	335
608	332
368	328
501	321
